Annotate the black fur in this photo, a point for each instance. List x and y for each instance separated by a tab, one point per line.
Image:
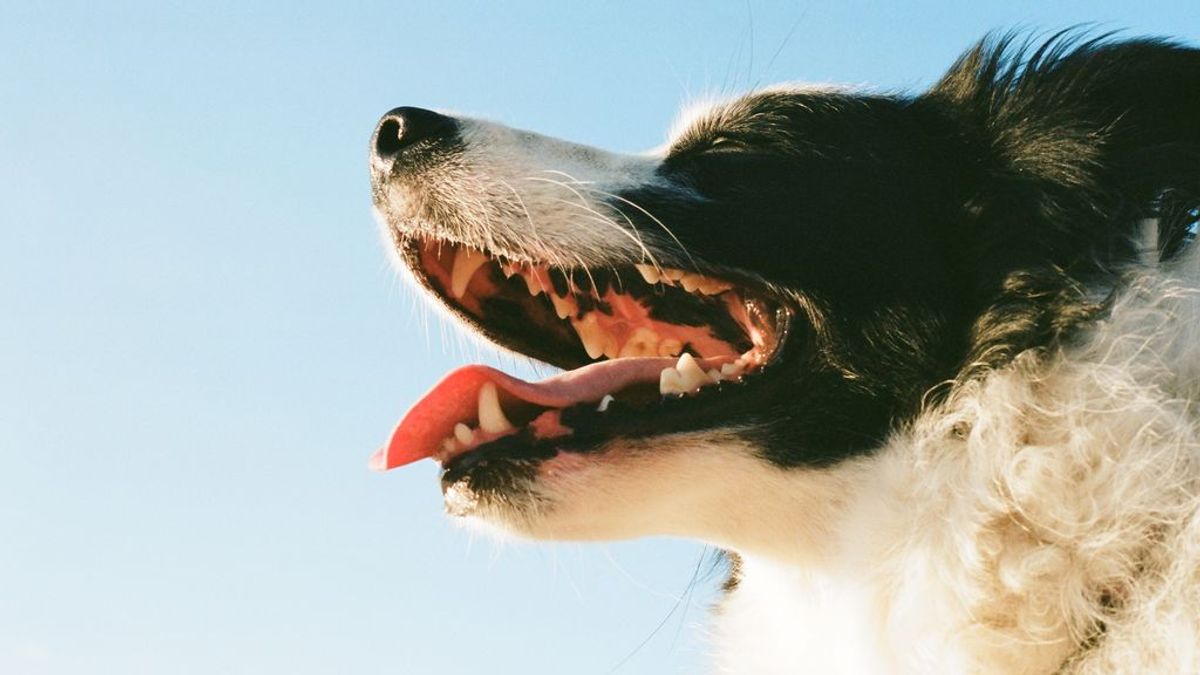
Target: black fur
923	239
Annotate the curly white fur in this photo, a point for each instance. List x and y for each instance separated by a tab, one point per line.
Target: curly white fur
1042	520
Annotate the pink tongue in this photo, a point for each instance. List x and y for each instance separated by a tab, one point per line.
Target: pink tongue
455	399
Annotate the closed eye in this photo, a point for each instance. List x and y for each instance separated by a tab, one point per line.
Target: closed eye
724	144
716	144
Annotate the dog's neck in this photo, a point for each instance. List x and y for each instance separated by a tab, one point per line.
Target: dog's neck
880	595
1032	523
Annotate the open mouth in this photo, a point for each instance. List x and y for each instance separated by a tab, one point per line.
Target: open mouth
640	345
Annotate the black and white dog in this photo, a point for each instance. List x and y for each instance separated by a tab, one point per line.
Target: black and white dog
927	368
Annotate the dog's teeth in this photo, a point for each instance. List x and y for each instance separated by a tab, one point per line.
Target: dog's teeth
670	347
531	283
691	282
509	269
671	382
591	335
463	434
491	415
732	370
649	273
673	275
466	264
447	447
714	375
604	403
611	348
707	285
643	342
710	286
692	375
564	307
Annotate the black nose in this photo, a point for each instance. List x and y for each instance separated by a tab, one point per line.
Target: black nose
403	127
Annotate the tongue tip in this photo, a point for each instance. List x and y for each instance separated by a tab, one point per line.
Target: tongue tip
395	453
378	461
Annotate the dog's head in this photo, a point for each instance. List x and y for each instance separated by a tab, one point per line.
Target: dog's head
743	314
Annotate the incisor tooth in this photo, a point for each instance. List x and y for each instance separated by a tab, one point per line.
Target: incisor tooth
463	433
673	274
491	415
649	273
466	264
714	375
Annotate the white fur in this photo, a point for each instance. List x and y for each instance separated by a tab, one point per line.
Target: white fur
985	538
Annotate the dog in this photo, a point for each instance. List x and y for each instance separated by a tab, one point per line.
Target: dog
927	367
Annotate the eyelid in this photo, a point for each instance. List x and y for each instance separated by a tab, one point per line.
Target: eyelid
718	143
723	142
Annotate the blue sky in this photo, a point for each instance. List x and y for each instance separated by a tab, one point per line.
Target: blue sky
202	341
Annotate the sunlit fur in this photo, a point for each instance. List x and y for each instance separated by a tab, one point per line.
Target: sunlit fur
985	456
1042	519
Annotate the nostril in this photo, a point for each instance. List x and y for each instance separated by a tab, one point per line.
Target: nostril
406	126
387	139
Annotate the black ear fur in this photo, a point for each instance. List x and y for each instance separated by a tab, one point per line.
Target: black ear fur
1078	141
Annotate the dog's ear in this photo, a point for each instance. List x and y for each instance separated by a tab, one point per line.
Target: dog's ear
1080	140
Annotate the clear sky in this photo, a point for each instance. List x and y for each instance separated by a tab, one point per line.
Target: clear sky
201	341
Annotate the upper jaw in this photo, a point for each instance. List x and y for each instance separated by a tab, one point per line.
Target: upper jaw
525	195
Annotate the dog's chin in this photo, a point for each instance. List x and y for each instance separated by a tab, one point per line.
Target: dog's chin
612	492
711	486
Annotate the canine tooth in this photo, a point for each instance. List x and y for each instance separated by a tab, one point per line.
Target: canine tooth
670	347
463	434
466	264
690	372
671	382
604	403
564	307
491	415
592	336
649	273
643	342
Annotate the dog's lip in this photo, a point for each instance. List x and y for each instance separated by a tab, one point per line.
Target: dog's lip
454	399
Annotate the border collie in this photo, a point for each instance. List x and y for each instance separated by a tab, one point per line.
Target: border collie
926	367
